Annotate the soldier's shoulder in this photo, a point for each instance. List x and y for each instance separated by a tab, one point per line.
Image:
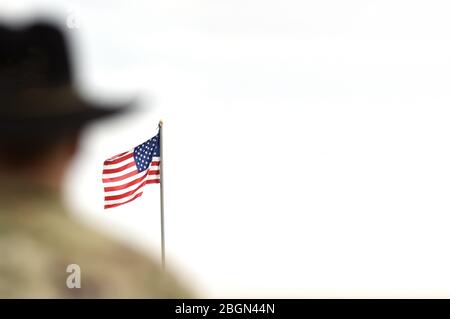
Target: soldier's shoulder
40	252
123	269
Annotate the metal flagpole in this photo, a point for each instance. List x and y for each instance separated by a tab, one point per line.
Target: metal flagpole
161	194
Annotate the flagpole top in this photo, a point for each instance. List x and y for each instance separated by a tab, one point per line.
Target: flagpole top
160	124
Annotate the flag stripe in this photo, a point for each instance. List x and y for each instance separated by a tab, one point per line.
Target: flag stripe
126	180
126	185
116	177
120	178
122	173
117	201
118	204
117	165
118	169
126	194
119	159
119	194
122	193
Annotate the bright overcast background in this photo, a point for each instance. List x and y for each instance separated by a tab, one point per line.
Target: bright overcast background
307	143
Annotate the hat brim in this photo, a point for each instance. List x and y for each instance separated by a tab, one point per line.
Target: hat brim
67	115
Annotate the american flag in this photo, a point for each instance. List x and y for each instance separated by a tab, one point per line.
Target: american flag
125	174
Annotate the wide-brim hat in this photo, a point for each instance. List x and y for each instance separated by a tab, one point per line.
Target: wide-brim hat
37	91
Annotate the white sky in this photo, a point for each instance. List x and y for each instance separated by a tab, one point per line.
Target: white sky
306	142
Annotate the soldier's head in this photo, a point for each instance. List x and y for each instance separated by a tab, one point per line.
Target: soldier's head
41	112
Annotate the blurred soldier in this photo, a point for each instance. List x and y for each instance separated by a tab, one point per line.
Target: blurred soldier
41	116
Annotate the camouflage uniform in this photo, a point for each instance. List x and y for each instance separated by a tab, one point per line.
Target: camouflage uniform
38	240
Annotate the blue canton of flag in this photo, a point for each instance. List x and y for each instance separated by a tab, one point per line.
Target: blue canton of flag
144	153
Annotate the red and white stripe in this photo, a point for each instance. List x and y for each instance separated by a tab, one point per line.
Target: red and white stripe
123	182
